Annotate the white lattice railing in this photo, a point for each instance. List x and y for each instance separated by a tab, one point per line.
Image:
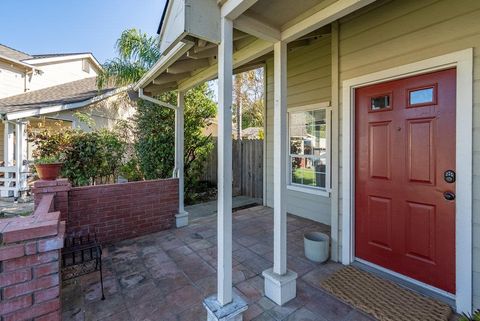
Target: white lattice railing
10	182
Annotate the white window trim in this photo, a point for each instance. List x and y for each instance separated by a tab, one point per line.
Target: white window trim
306	189
463	61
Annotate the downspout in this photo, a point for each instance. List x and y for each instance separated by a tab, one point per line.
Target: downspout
155	101
158	102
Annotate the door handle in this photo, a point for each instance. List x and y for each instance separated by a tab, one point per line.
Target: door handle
449	196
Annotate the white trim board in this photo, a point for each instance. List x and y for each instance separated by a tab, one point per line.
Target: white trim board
463	61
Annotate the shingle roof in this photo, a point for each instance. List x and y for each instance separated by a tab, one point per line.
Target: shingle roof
13	53
72	92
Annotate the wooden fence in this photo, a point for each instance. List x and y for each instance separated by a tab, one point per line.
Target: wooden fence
247	168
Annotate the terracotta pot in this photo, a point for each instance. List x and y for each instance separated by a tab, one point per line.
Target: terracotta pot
48	172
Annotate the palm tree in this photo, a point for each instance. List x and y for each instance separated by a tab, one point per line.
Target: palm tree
137	53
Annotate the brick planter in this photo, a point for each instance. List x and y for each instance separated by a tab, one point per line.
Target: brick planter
117	211
29	264
30	248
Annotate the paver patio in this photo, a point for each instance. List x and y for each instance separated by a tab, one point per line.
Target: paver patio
165	276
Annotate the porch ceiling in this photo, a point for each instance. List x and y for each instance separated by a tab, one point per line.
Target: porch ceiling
199	63
284	13
196	61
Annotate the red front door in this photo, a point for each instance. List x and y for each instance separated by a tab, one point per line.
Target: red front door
405	164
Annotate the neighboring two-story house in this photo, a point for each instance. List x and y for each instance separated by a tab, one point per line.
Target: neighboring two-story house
48	88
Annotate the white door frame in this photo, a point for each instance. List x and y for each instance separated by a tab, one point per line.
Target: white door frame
463	61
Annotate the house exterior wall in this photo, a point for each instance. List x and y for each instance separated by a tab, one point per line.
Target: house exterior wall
12	80
394	33
57	73
309	78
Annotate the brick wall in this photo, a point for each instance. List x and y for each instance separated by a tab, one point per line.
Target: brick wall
29	264
117	211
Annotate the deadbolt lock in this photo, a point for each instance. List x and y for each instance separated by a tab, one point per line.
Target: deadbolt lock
449	176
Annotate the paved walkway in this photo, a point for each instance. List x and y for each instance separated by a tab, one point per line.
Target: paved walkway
9	208
209	208
165	276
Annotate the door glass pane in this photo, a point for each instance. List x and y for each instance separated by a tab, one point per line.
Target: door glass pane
421	96
381	102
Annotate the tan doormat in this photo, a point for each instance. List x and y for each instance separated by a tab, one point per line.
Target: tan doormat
383	299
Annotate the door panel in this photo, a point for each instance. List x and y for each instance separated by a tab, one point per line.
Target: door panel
420	232
421	151
379	225
379	155
405	141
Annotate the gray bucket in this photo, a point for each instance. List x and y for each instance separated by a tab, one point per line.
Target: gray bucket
317	246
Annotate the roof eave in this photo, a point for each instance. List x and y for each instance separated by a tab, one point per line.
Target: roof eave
18	63
32	112
90	56
163	63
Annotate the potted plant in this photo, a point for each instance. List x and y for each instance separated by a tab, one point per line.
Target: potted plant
48	167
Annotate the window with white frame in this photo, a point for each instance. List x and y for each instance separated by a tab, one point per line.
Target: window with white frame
309	147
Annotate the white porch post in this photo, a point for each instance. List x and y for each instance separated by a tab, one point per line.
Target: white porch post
225	306
9	144
182	217
20	151
225	71
280	284
8	154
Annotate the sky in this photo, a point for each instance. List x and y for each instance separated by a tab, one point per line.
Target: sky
62	26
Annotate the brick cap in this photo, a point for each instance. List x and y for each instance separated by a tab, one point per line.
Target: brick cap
57	182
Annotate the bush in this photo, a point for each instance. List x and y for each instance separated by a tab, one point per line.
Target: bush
88	157
155	137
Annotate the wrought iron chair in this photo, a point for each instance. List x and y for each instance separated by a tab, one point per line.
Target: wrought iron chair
82	254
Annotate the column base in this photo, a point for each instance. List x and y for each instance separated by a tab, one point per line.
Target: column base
181	219
230	312
280	288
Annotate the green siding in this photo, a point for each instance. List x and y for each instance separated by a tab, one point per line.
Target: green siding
309	78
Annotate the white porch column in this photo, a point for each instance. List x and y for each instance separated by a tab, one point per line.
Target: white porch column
280	284
225	74
182	217
20	155
9	144
224	306
8	153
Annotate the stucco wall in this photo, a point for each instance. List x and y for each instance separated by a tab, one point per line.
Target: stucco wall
105	113
393	33
309	77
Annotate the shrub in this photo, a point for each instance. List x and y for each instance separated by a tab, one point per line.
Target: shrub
88	157
155	137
